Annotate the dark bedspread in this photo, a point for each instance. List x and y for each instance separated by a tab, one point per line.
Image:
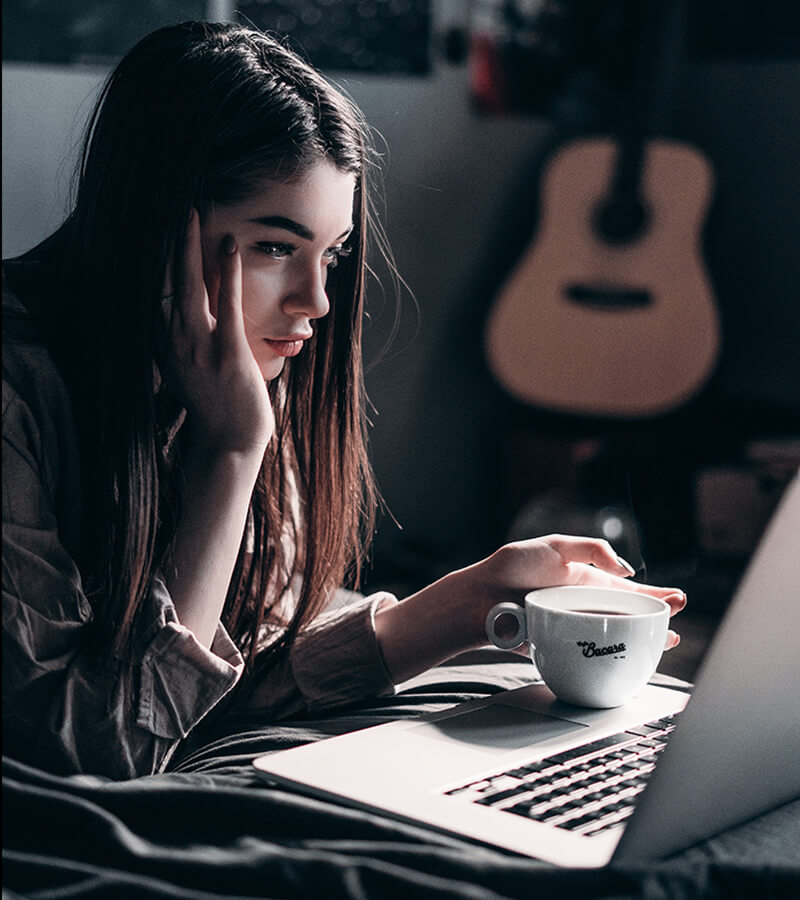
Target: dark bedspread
211	829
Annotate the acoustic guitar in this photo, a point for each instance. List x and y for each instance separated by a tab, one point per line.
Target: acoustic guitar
610	313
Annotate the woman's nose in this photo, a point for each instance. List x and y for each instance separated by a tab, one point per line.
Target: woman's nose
308	296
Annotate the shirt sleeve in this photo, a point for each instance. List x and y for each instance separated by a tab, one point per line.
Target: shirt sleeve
66	709
333	662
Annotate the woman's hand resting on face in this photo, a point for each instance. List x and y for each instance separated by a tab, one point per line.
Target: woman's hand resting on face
211	368
212	372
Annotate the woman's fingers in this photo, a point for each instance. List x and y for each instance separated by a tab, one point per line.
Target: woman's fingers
191	296
230	320
673	640
225	327
587	574
592	551
673	597
593	561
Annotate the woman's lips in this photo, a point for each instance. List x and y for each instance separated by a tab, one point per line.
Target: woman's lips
286	346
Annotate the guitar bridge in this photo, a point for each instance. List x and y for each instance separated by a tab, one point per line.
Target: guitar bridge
608	296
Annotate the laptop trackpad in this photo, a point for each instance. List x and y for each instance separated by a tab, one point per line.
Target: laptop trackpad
499	726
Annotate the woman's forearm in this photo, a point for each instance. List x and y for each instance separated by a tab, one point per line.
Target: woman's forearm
433	625
213	517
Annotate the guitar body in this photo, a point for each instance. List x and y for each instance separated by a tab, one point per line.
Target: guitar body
610	328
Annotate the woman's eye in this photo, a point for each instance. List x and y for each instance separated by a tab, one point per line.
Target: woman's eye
334	254
276	250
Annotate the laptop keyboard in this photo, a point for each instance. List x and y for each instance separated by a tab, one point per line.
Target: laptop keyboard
586	790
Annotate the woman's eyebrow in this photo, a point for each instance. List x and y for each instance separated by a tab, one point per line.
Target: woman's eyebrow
295	227
287	224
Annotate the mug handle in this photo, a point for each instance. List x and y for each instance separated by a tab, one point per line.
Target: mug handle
521	634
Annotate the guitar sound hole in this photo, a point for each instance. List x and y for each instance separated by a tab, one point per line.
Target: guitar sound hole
608	296
621	220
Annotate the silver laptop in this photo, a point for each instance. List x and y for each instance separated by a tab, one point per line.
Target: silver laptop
579	787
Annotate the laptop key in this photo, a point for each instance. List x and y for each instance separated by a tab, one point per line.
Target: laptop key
578	822
645	730
577	752
500	796
613	820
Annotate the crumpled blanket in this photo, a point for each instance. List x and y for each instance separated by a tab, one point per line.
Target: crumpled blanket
211	829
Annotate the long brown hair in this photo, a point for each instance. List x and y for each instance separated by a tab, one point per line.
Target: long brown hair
198	114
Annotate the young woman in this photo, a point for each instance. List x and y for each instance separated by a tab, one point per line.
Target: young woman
185	479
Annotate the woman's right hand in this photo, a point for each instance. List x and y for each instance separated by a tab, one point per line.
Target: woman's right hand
211	368
449	616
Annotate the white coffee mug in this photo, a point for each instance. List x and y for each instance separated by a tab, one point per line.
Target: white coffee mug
593	646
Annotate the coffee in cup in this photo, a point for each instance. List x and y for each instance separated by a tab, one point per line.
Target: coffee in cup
593	646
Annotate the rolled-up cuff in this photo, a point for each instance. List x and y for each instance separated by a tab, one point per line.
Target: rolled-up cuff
181	680
337	659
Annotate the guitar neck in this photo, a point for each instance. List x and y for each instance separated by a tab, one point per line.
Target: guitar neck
627	178
623	215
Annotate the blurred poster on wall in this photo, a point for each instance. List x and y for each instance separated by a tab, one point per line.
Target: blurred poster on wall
87	32
384	36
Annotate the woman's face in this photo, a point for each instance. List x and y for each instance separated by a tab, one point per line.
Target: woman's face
289	235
